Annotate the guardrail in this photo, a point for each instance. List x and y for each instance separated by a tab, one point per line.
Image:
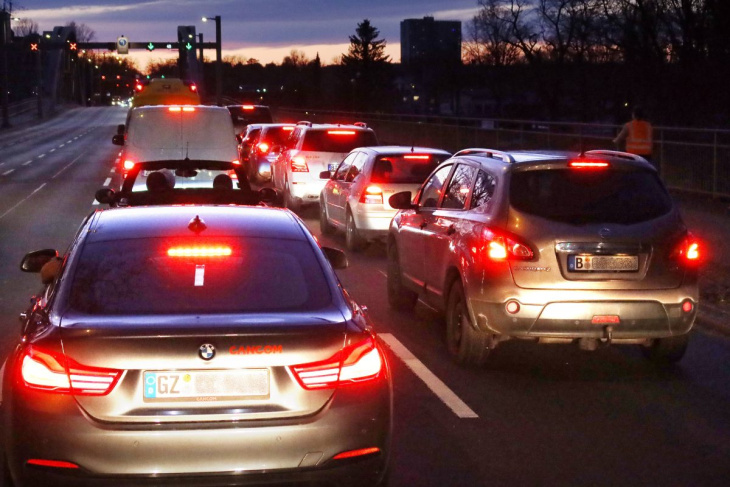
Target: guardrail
694	160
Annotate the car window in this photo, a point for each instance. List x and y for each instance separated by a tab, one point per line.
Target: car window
459	187
590	196
405	168
145	276
345	166
357	166
337	140
483	190
431	191
275	135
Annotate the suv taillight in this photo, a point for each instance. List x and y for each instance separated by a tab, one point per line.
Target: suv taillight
298	164
500	247
688	251
354	364
53	372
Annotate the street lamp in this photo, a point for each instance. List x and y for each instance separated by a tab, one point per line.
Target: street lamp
218	60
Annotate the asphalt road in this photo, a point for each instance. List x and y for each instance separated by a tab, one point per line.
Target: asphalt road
537	415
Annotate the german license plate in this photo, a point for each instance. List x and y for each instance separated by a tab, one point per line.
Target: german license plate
332	166
206	385
603	263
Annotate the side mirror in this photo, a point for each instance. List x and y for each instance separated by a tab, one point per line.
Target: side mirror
337	258
267	195
104	195
402	201
121	129
118	139
34	261
325	175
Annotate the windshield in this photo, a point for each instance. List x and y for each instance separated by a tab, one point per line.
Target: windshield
590	196
164	276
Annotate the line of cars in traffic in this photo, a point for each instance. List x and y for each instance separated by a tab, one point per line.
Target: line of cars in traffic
176	355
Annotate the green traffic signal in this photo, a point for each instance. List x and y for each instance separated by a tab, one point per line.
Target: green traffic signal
188	46
150	47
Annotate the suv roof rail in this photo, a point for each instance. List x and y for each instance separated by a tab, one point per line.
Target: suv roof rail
305	122
361	124
615	153
491	153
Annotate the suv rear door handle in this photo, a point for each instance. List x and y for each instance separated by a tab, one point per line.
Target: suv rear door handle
451	230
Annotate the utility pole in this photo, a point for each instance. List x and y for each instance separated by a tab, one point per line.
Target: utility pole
218	59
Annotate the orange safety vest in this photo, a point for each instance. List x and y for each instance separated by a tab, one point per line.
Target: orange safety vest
639	139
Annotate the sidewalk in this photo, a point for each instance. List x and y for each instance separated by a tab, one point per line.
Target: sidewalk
709	220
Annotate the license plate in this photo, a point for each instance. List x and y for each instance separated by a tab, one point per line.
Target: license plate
332	166
603	263
206	385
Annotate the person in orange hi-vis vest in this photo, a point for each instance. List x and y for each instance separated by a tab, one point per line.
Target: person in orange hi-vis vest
638	135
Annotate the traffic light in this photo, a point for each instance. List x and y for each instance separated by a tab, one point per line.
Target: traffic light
150	47
186	50
72	46
34	43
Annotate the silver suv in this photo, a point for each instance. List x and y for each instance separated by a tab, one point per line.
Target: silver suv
552	247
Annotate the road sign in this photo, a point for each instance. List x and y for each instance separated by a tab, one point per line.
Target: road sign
150	47
122	45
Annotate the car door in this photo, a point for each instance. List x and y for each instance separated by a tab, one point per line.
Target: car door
442	230
348	185
335	208
411	234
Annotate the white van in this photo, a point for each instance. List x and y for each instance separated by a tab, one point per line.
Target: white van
176	132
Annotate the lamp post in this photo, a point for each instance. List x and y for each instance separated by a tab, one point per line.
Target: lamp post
218	60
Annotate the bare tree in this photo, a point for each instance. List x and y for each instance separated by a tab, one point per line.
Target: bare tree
84	33
295	58
24	27
489	38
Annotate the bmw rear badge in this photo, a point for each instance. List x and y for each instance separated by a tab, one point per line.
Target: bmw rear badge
206	351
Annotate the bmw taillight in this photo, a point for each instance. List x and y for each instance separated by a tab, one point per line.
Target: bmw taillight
499	246
354	364
53	372
372	194
688	251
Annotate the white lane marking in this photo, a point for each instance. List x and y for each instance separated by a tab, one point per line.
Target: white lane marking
27	162
41	156
8	172
113	171
61	145
69	141
22	201
95	203
52	150
66	167
436	385
107	181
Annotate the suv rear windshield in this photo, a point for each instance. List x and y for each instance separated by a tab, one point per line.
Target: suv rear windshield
405	169
337	140
244	115
580	196
275	135
137	276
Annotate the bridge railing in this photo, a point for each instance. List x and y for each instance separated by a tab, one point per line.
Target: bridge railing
695	160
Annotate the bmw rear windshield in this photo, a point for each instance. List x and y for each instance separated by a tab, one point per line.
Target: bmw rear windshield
337	140
198	275
583	196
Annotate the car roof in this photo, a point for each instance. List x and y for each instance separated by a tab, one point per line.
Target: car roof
402	149
173	221
330	126
144	108
508	158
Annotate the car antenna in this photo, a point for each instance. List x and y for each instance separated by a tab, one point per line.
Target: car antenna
187	150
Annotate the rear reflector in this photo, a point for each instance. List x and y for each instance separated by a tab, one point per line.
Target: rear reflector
51	463
688	306
206	251
605	320
356	453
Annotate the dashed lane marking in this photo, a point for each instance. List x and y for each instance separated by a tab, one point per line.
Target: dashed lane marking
62	145
41	156
27	162
107	181
8	172
436	385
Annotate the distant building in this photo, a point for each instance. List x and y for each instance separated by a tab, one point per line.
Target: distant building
427	41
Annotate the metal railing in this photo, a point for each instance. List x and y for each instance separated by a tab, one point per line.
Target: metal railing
694	160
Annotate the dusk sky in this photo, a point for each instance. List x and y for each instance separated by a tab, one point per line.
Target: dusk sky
263	29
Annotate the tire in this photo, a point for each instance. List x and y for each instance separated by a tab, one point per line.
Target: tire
353	240
290	202
667	351
399	297
324	225
466	345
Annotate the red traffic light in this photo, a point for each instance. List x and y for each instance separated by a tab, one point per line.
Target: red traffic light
34	46
72	46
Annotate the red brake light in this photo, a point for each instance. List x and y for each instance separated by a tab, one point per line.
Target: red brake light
341	132
236	162
248	107
128	165
688	251
288	129
175	109
139	87
503	247
188	109
417	157
200	251
53	372
588	164
193	88
353	364
372	194
298	164
51	463
263	147
356	453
